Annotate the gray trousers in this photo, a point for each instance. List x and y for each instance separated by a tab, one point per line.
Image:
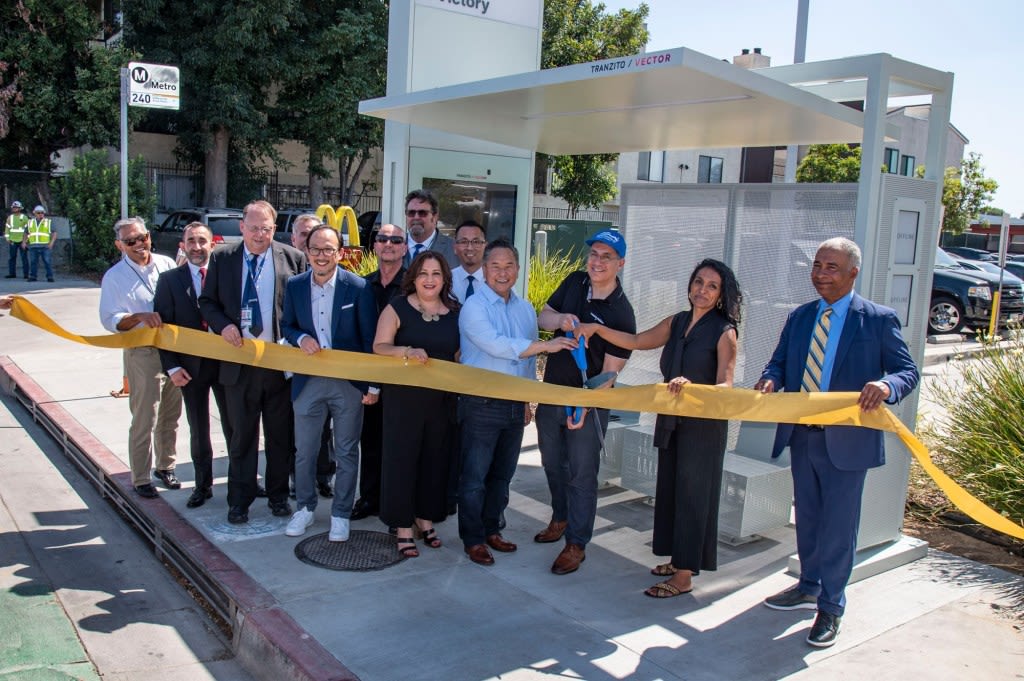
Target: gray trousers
322	397
155	404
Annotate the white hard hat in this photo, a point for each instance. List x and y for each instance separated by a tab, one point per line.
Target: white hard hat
17	204
38	209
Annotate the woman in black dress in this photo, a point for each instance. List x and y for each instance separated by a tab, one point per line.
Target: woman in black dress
700	347
420	324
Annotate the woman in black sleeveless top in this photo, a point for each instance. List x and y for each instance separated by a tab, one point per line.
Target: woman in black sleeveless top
700	347
419	432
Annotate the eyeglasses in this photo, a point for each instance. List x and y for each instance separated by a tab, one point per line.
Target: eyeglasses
603	257
471	242
131	241
421	213
383	239
323	251
259	230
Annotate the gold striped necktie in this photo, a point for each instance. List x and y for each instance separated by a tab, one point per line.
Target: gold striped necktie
816	353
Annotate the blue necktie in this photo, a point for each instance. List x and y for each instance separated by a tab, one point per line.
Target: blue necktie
469	286
416	251
251	299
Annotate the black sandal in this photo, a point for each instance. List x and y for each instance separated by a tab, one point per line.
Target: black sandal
430	538
407	547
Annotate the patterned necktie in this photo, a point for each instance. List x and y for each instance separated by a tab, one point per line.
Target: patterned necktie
202	285
469	286
816	353
251	299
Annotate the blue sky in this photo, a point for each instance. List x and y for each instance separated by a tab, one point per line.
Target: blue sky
978	41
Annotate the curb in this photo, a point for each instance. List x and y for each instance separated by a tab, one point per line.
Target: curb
268	643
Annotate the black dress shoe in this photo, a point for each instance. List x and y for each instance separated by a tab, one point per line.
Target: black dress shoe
363	509
324	488
199	497
168	478
280	509
825	630
238	515
261	491
146	491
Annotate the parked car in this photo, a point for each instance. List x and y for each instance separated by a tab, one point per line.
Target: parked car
285	219
970	253
962	297
225	223
991	268
1015	267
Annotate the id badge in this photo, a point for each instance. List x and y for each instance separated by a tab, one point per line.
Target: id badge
246	317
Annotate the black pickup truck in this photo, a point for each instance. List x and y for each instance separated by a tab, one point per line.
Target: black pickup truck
962	297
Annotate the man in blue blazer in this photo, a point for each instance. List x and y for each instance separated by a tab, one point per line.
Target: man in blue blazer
327	307
853	345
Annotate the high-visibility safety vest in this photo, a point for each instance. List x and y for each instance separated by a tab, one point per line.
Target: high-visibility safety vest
14	228
39	232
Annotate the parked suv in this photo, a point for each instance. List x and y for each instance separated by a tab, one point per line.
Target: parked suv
971	253
225	223
963	297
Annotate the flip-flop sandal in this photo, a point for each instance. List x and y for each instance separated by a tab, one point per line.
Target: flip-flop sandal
664	570
664	590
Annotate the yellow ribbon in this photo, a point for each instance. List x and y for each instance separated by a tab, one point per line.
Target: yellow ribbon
704	401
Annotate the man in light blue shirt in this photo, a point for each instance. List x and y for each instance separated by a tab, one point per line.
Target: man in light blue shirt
498	333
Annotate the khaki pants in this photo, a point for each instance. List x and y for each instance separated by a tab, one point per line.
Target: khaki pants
155	404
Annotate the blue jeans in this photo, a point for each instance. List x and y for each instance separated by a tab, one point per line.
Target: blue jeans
492	435
38	251
571	459
12	259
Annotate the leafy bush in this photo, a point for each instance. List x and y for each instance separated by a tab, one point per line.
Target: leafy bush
90	196
979	435
545	276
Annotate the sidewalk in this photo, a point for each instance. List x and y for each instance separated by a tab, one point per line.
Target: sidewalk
440	616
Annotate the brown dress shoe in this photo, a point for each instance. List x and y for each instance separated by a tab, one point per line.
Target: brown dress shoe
569	559
479	554
498	543
552	533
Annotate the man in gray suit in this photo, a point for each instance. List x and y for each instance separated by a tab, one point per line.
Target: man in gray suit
421	228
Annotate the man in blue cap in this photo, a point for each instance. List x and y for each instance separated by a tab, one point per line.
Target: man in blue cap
570	448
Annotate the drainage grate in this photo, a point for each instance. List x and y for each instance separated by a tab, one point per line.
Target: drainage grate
362	552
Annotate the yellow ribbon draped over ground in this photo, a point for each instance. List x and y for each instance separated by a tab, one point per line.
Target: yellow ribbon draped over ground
829	408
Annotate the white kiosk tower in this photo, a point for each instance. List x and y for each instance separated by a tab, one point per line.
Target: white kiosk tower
434	43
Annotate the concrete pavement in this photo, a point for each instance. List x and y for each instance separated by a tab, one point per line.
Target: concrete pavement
442	617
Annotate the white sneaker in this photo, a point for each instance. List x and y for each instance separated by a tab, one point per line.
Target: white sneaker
339	529
302	519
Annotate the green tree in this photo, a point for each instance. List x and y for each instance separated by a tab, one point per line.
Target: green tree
90	195
577	31
319	96
59	85
965	190
830	163
229	54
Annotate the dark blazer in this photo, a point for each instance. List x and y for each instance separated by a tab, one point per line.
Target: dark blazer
443	245
221	300
870	349
353	317
177	302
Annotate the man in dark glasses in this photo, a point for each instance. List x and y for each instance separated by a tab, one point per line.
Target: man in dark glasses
386	283
126	303
421	223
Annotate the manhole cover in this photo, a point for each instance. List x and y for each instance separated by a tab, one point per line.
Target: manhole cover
363	551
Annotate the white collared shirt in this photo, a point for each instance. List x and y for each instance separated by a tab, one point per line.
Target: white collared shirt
264	289
460	282
128	289
412	243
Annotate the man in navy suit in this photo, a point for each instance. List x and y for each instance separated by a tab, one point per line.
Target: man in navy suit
327	307
243	298
177	302
854	346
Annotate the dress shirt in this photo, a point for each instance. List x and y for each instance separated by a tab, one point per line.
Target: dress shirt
425	244
264	289
321	299
494	333
460	282
128	289
835	332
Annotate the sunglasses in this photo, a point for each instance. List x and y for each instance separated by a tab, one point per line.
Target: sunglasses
421	213
134	240
383	239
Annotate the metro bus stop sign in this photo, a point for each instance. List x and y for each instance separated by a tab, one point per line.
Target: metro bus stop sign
153	86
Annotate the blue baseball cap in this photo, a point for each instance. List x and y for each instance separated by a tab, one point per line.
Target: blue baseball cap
611	238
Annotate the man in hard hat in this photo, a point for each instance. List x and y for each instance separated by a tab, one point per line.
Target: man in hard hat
40	238
14	233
